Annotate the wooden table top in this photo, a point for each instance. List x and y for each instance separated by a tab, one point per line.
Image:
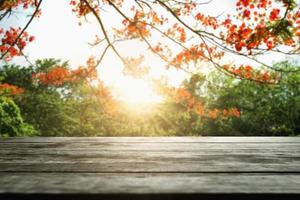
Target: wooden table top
150	168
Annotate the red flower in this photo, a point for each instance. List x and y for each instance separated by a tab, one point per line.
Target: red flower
31	38
274	15
246	13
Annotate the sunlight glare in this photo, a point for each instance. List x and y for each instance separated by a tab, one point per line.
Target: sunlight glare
136	91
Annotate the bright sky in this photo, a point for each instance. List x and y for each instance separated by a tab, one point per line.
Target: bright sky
59	36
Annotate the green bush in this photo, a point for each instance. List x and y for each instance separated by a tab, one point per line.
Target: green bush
11	121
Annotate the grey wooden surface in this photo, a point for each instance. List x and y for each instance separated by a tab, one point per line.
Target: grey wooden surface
150	168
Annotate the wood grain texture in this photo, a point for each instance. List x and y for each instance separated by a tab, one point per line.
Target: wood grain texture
150	168
156	183
153	139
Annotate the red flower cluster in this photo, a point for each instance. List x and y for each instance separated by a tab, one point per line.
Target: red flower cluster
185	98
274	15
196	53
138	27
6	88
59	76
80	7
12	43
15	3
244	3
207	21
247	72
262	26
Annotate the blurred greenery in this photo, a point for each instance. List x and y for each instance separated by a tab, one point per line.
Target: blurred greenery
73	109
266	110
11	123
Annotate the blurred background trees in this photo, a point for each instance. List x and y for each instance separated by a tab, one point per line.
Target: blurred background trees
79	109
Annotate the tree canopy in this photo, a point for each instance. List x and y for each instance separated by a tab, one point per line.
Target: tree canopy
257	27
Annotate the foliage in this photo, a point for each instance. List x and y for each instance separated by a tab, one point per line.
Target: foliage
58	105
11	122
212	104
265	109
42	106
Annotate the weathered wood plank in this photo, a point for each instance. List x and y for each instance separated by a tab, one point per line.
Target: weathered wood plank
151	196
154	183
150	168
152	139
141	146
150	156
98	151
220	160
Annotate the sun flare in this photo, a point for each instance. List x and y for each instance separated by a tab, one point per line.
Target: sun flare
136	91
